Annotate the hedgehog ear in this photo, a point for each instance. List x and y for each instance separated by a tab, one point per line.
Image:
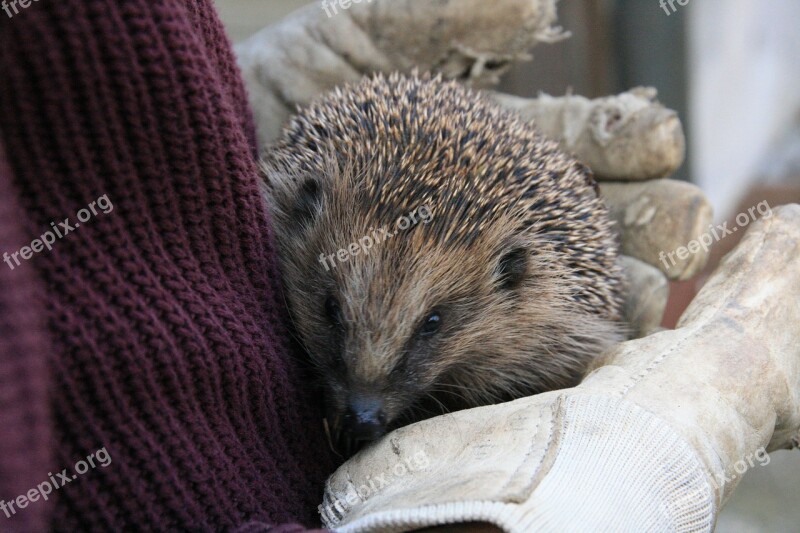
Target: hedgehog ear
309	197
512	268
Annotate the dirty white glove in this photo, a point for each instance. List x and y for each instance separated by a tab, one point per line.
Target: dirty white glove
309	53
655	439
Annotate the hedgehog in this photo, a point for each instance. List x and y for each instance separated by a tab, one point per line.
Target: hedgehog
437	253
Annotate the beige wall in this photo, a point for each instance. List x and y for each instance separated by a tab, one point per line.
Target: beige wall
745	91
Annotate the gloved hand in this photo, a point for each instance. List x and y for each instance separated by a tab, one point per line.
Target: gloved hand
655	439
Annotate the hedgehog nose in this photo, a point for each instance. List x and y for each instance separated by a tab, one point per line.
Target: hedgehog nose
364	419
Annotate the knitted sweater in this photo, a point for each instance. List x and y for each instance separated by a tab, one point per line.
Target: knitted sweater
143	336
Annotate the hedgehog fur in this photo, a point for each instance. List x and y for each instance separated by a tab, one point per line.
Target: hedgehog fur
509	289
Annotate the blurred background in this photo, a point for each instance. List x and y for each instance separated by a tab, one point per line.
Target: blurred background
731	68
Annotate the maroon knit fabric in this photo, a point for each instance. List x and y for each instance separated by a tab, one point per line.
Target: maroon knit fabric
167	339
24	417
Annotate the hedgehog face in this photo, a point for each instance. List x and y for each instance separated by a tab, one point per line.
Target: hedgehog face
400	328
404	322
507	289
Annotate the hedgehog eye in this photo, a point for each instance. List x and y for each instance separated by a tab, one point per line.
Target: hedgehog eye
431	325
333	311
512	268
309	196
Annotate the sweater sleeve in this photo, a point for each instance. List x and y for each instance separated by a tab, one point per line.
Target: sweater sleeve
24	413
158	337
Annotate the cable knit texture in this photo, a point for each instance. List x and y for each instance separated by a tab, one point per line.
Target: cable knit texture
168	332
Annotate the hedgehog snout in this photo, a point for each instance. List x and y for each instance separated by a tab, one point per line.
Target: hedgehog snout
364	418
